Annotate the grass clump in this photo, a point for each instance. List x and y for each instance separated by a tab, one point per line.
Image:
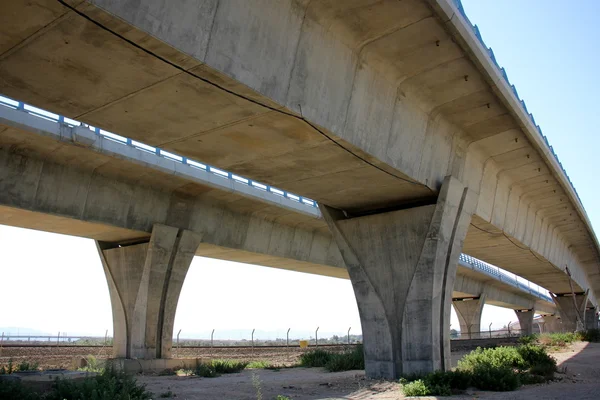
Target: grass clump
315	358
334	362
110	385
561	340
215	368
260	364
497	369
228	366
24	366
346	361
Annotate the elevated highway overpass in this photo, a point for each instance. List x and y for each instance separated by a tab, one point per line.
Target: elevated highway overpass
30	136
392	115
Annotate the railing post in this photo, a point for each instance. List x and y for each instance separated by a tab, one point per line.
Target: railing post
349	335
490	329
177	351
253	337
287	338
211	338
317	337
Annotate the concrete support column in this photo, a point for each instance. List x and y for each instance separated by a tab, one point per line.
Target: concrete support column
144	281
591	318
570	309
525	321
469	311
552	324
402	265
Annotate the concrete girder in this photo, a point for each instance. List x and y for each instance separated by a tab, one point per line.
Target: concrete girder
402	265
144	281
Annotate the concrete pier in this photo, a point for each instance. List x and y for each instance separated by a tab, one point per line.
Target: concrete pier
144	281
571	309
402	265
591	318
469	312
525	321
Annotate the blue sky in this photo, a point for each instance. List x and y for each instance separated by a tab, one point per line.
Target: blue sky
550	51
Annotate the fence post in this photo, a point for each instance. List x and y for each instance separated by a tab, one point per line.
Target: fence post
287	338
349	335
317	337
211	338
253	329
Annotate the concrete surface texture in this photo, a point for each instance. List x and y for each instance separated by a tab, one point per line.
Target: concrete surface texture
400	92
402	265
571	309
591	318
525	318
551	323
468	310
144	281
366	107
47	156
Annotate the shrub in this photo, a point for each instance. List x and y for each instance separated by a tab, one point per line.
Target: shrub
110	385
537	360
439	383
498	369
14	389
27	366
315	358
494	377
92	365
417	388
497	357
346	361
591	335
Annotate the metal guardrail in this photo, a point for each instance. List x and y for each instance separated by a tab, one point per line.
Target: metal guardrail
37	112
502	276
475	30
18	105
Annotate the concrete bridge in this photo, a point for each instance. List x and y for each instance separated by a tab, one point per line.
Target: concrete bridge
26	131
392	115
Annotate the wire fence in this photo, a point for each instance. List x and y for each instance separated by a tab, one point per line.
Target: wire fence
64	340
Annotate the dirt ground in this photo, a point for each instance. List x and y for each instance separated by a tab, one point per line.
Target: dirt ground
579	378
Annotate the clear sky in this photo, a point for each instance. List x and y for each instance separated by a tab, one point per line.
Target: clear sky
550	50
